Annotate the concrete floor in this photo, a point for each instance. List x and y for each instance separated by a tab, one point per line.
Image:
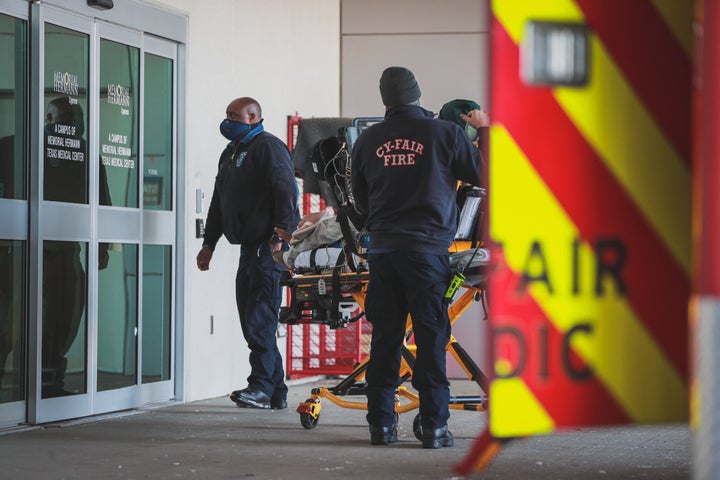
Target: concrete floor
213	439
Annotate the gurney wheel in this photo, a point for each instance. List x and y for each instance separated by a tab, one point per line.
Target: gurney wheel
417	427
307	421
310	420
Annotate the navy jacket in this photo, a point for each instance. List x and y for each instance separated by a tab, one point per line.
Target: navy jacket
404	174
255	190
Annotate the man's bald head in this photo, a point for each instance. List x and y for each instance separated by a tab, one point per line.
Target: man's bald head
245	110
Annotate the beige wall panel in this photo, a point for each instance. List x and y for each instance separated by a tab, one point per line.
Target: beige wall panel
412	16
446	67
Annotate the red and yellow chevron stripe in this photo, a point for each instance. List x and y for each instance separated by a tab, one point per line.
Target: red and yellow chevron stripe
590	207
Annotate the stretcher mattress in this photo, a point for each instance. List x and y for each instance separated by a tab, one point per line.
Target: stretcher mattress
472	262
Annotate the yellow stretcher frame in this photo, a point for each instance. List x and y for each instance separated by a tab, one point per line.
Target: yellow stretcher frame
405	400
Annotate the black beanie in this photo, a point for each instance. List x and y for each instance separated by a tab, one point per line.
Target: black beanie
398	87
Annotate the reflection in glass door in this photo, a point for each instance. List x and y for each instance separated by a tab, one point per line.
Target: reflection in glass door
119	101
66	104
13	219
64	326
13	98
12	325
65	166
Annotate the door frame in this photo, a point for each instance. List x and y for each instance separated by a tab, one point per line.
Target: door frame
156	29
14	214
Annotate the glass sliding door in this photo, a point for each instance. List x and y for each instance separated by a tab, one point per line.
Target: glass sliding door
156	314
88	225
158	133
119	225
119	116
13	215
65	179
117	319
158	202
119	100
67	256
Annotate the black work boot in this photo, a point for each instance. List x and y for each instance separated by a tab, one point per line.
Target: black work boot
250	397
278	403
383	435
437	437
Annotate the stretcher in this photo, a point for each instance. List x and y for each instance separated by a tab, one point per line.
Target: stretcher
334	298
330	289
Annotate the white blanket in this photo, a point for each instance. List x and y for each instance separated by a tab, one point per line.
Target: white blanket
320	259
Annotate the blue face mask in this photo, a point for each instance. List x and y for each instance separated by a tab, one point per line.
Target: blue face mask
230	129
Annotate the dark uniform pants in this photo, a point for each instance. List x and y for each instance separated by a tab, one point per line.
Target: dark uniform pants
258	300
401	283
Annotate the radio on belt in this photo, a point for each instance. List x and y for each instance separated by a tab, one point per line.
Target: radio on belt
455	284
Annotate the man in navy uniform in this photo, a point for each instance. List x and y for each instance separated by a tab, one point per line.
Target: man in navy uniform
255	192
405	174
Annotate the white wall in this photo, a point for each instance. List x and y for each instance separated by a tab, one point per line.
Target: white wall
286	55
445	44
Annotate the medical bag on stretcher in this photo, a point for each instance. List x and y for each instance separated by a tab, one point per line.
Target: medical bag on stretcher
330	298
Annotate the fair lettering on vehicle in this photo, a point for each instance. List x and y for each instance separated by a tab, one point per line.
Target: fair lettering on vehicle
399	152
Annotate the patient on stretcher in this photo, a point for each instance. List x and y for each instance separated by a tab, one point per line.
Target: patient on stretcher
316	244
329	241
